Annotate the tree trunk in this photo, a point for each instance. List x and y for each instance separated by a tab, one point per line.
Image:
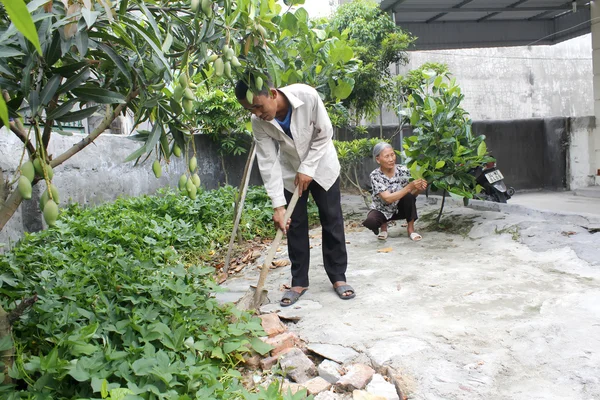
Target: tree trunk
9	208
442	208
381	121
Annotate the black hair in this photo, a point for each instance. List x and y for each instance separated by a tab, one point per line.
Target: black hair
242	87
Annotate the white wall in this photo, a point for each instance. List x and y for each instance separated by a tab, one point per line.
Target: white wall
518	82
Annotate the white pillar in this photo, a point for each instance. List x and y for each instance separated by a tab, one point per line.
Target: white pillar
594	149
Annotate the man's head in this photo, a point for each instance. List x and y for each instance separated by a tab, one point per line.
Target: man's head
264	103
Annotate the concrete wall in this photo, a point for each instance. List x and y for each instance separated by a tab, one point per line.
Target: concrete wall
518	82
98	174
580	172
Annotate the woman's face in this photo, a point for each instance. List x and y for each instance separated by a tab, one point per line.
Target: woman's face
387	158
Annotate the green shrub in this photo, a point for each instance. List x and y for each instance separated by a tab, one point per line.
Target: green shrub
120	313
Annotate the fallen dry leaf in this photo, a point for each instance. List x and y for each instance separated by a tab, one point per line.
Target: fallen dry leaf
280	263
569	233
221	277
386	250
285	286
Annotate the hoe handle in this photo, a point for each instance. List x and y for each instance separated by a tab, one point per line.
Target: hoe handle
274	245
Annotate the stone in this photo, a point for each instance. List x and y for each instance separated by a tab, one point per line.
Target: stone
283	341
268	362
297	366
333	352
253	362
316	385
363	395
287	387
294	312
357	377
272	324
330	371
380	387
327	396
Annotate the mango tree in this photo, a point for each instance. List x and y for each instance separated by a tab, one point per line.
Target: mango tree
443	149
100	58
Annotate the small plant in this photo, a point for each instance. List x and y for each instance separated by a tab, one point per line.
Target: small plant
443	149
351	155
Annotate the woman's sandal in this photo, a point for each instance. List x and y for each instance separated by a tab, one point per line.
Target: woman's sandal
382	235
292	296
340	290
415	237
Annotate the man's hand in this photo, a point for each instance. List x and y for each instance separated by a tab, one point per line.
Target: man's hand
302	181
278	218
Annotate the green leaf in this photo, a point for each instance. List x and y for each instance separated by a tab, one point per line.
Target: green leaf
20	17
49	90
6	343
143	366
482	149
260	347
342	90
75	80
440	164
119	62
78	115
99	95
3	112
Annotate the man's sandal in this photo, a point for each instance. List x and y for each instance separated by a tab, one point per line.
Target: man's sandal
340	290
291	296
415	237
382	235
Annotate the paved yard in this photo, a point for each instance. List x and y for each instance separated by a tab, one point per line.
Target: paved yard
499	306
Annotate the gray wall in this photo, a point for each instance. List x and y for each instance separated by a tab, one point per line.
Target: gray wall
98	174
518	82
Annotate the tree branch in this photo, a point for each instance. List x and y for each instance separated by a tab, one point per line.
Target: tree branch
21	308
92	136
22	137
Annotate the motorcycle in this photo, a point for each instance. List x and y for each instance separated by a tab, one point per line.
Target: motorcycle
492	181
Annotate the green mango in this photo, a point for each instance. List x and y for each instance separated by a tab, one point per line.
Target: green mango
207	7
156	169
227	69
176	150
188	106
193	164
178	93
195	5
249	96
196	180
37	166
28	170
24	187
235	62
50	212
43	200
182	182
259	82
54	191
188	94
183	80
219	66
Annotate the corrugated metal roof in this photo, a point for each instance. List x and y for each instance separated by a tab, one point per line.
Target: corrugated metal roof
441	23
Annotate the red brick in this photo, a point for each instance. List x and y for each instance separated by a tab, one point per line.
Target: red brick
272	324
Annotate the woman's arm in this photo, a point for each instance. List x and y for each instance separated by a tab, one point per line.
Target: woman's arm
414	187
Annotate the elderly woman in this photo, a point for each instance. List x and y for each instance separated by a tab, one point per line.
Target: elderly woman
394	197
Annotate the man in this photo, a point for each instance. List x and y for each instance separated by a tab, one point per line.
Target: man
294	147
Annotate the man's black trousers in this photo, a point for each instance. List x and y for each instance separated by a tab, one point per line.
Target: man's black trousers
335	258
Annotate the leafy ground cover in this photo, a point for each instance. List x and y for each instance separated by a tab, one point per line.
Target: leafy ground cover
121	312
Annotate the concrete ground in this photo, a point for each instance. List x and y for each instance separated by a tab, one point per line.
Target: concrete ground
493	305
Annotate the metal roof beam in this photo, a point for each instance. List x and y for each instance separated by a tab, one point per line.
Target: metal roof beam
568	4
394	4
479	9
513	5
442	14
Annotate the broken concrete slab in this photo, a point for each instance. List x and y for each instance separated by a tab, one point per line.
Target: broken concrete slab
364	395
330	371
356	378
316	385
297	366
333	352
328	396
294	312
380	387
